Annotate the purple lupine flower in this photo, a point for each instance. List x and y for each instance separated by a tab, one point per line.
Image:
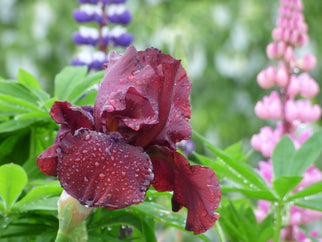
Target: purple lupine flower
120	37
88	1
119	15
104	13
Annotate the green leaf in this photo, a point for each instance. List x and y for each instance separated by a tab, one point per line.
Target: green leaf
82	86
13	179
162	214
8	145
308	191
240	169
25	77
67	79
88	99
17	90
257	194
37	194
285	184
35	116
17	104
126	217
221	169
13	125
282	158
307	154
314	203
266	229
49	103
43	203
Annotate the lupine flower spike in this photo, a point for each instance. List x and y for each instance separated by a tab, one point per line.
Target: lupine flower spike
291	106
111	16
109	155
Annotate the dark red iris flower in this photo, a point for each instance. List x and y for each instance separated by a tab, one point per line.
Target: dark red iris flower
109	155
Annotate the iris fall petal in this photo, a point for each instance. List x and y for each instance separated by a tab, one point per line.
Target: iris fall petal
102	170
195	187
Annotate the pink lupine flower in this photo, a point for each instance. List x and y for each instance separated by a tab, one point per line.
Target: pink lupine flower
290	33
269	107
308	86
282	76
308	63
267	78
265	141
294	87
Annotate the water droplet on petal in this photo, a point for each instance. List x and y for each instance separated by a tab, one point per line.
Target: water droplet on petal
87	137
101	176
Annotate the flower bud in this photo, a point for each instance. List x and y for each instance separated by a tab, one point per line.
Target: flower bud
291	113
269	107
261	110
308	86
70	213
282	76
277	34
303	39
271	51
119	15
294	87
308	63
281	47
289	54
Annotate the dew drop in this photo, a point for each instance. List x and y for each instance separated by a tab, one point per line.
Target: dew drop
88	137
123	173
108	180
130	78
85	180
96	164
101	176
135	72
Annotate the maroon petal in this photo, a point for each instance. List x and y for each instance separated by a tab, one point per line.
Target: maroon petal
72	117
102	170
47	161
145	95
195	187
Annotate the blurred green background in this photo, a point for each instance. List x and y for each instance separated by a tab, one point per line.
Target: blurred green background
221	43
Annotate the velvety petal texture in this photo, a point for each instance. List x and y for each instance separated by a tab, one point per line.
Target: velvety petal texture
147	92
195	187
102	170
108	156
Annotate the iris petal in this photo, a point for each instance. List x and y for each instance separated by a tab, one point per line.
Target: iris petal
157	85
47	161
72	117
102	170
195	187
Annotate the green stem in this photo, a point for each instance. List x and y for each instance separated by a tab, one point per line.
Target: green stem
278	222
61	237
220	232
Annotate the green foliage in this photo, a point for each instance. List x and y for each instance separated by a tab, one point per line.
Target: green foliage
12	180
240	224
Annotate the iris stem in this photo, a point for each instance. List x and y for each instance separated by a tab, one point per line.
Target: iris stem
61	237
278	222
